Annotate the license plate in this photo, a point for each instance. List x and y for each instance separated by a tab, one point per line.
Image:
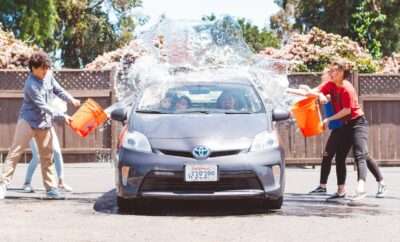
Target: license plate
201	173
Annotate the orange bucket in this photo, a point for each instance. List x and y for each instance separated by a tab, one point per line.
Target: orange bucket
308	116
88	117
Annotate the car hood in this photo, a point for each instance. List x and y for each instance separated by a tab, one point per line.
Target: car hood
195	126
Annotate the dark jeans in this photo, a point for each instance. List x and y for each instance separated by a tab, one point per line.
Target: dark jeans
339	144
359	135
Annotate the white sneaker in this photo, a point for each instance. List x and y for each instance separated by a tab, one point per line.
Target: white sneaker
381	191
359	196
3	190
65	188
28	188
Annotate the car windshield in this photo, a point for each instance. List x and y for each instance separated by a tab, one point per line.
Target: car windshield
201	98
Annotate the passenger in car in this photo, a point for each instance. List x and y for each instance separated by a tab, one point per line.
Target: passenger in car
183	103
228	101
166	103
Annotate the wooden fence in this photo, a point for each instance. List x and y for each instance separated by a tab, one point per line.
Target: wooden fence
379	95
81	84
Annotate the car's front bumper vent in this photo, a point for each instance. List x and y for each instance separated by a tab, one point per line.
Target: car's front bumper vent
243	180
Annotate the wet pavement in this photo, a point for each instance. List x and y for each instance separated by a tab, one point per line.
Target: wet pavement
302	205
93	205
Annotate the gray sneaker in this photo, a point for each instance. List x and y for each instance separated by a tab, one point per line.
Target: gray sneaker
381	191
28	188
3	190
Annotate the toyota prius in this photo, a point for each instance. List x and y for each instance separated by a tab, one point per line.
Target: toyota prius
200	140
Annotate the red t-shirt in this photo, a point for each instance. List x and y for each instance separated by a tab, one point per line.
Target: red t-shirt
343	97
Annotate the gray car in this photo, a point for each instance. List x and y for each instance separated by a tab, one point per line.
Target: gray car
200	140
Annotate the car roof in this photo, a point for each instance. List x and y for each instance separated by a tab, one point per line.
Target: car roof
218	76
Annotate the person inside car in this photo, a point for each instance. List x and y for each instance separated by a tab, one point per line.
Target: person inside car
167	103
227	101
183	103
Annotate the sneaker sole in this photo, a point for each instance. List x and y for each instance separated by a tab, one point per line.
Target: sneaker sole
358	198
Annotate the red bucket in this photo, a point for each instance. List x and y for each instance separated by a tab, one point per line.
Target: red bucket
88	117
308	116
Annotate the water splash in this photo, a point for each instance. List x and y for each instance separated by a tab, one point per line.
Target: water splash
199	51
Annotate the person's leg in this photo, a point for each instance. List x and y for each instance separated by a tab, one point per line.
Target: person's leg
360	149
329	152
374	169
44	142
33	163
23	133
58	159
326	163
342	150
59	162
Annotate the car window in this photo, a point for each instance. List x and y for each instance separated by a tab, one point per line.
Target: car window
210	98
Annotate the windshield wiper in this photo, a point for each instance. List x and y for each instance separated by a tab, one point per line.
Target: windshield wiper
238	112
150	111
195	111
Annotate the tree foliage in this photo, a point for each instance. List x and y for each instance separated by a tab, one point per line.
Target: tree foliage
255	38
86	30
33	21
375	24
79	30
258	39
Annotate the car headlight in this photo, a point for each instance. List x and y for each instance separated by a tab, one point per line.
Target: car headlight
265	140
136	141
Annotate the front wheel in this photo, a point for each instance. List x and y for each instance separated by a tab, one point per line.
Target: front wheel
126	205
273	203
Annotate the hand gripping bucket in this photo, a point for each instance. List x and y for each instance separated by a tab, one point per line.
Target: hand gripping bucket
308	116
328	111
89	116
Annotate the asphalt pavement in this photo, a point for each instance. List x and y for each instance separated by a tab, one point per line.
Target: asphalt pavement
90	213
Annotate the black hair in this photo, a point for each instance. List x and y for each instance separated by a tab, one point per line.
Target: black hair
39	59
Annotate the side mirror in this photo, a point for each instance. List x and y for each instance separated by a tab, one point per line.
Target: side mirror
280	115
119	114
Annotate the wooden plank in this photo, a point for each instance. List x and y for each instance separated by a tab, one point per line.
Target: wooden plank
18	94
388	98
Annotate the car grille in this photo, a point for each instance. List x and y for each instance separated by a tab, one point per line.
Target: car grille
190	155
227	181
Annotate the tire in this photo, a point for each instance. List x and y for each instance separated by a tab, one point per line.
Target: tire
273	203
126	205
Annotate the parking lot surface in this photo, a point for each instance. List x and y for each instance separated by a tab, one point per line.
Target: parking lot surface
90	213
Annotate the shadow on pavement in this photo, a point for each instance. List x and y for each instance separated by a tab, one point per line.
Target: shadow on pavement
301	205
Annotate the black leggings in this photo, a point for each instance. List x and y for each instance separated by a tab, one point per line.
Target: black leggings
339	142
338	145
359	135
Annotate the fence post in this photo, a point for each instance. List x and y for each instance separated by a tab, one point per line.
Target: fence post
113	98
356	84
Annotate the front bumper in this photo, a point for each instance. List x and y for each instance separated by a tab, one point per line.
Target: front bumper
240	176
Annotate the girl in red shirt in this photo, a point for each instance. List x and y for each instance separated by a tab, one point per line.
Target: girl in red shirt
345	102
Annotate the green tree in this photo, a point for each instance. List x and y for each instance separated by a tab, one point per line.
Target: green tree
283	21
258	39
78	29
366	27
86	30
29	20
375	24
255	38
390	37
